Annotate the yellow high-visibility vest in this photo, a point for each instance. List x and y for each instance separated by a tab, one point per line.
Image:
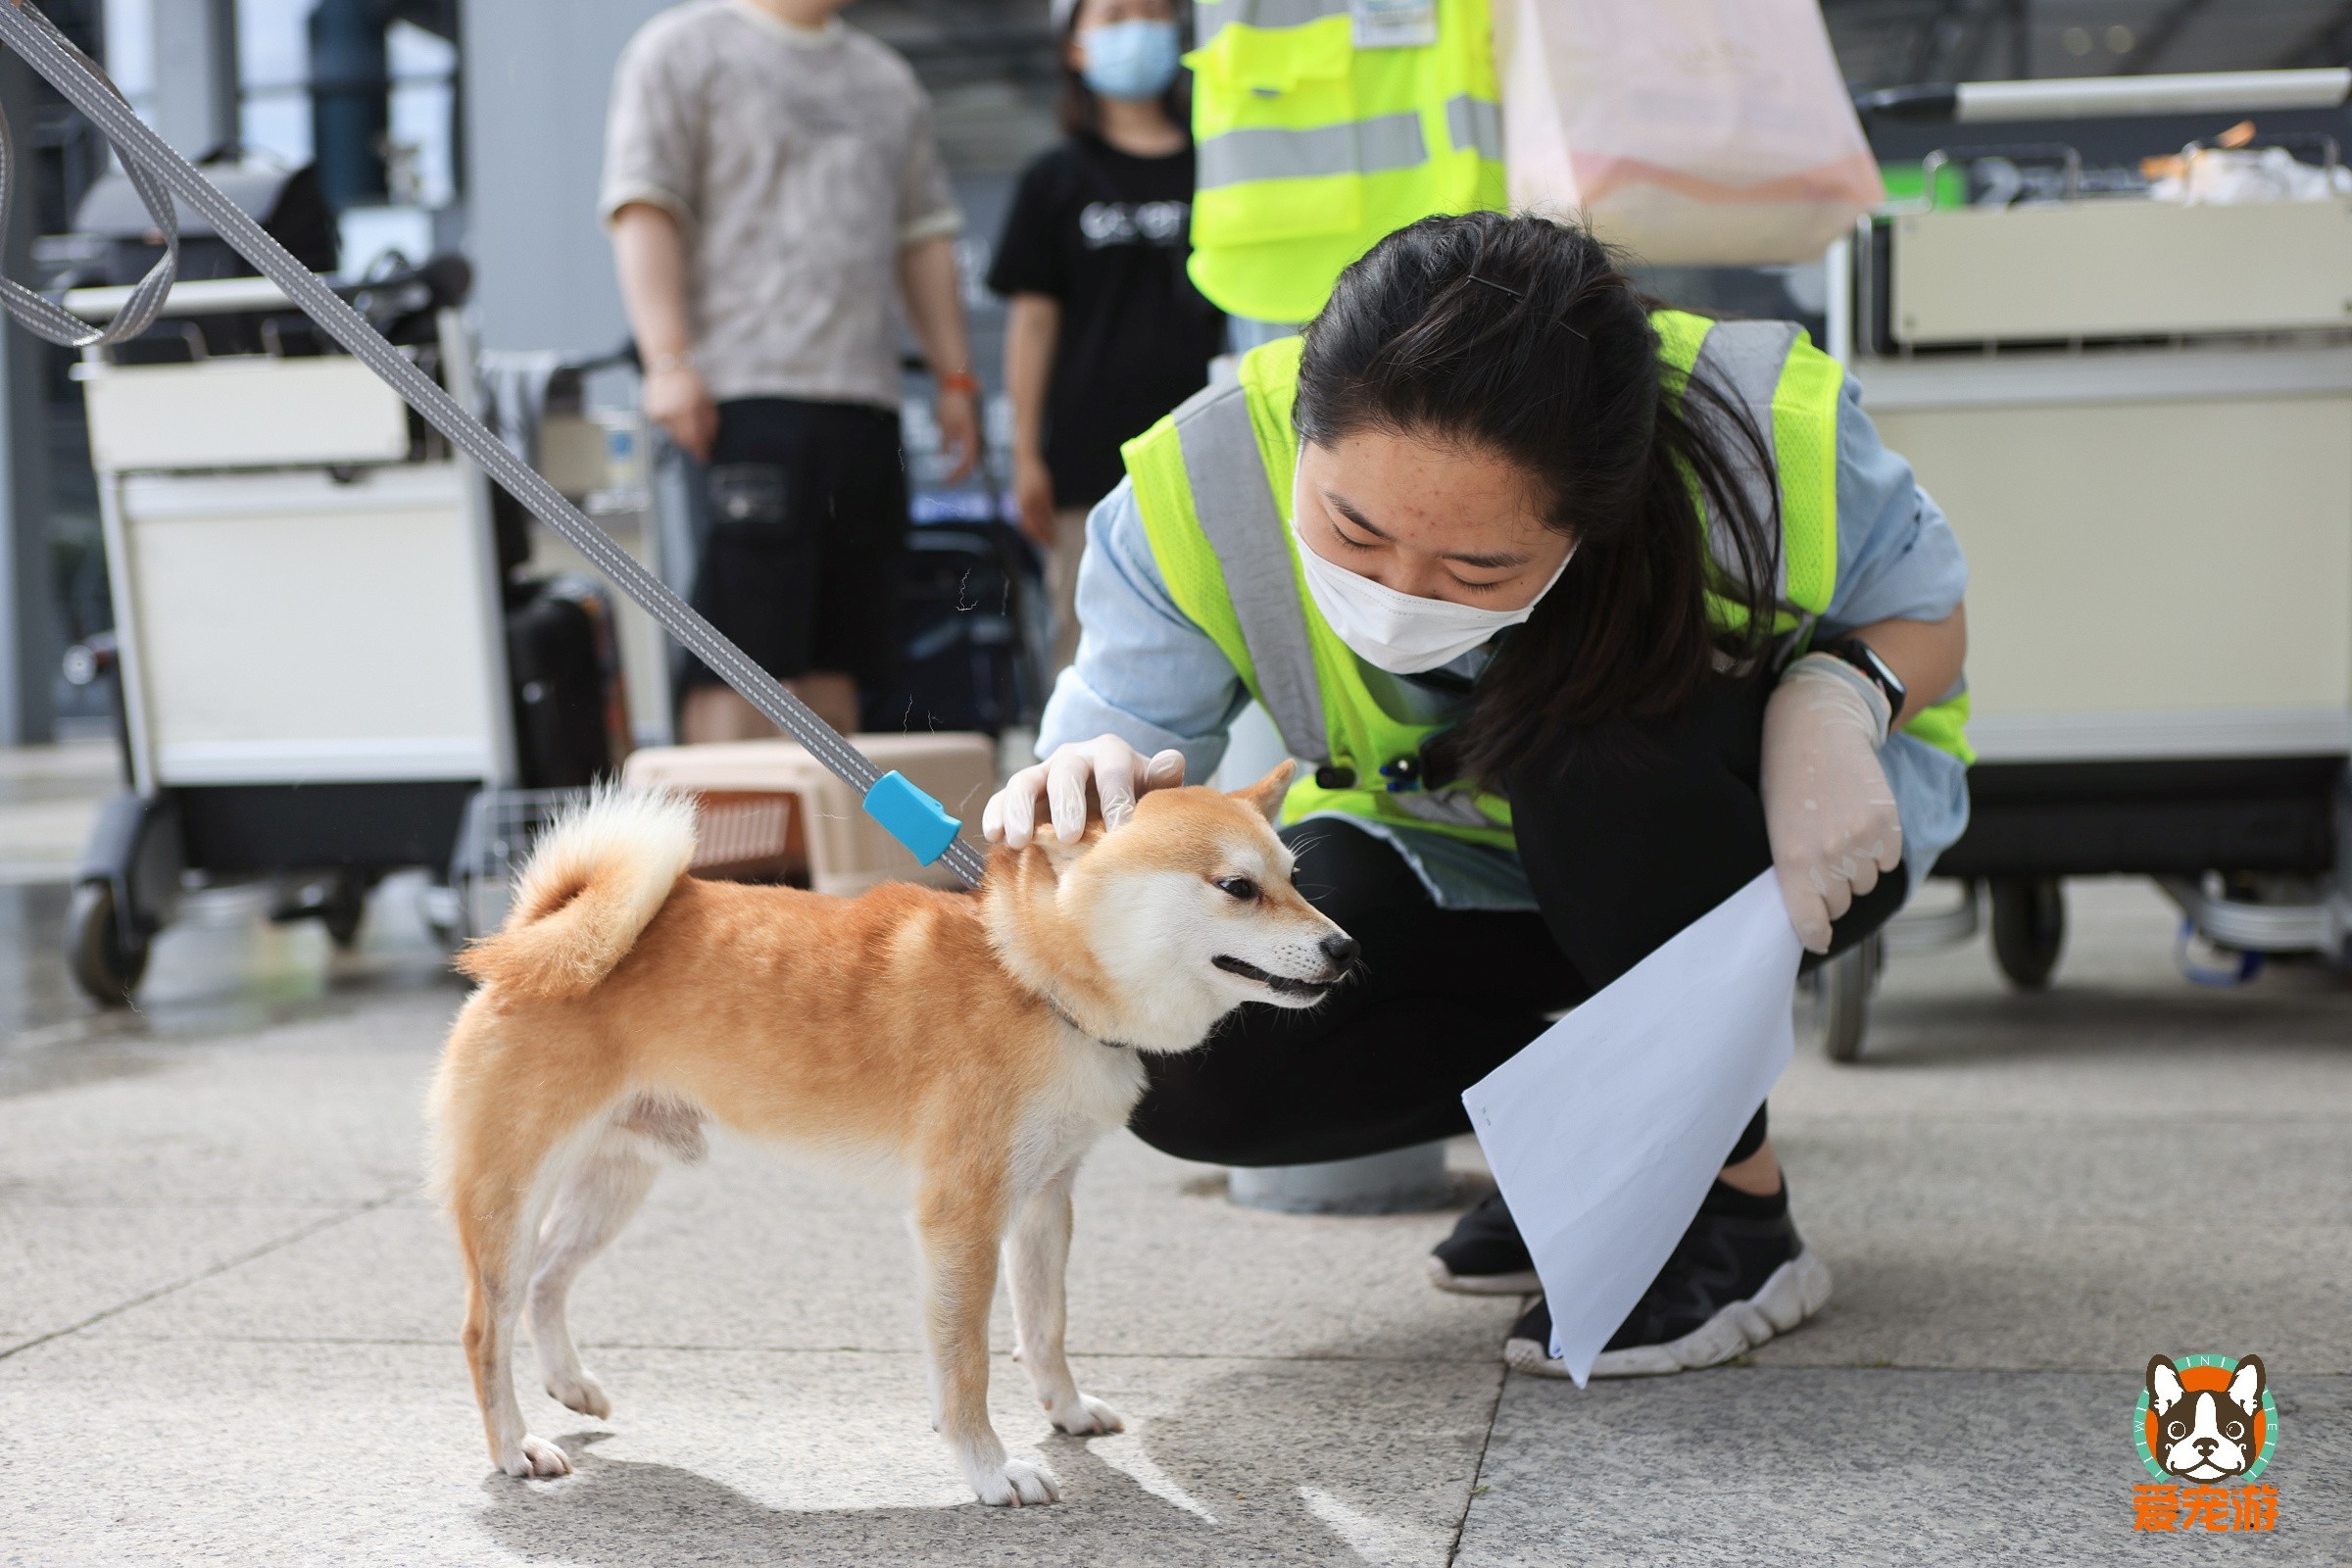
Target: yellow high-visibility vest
1213	483
1311	148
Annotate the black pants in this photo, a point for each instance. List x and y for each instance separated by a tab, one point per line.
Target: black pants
800	564
1624	848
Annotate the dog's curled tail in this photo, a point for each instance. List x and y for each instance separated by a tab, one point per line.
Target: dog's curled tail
596	879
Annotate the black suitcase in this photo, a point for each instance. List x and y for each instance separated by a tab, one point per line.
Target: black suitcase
570	713
966	604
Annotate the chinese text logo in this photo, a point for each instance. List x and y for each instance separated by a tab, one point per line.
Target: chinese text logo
2206	1419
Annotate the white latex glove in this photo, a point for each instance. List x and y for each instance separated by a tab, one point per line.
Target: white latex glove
1827	807
1117	770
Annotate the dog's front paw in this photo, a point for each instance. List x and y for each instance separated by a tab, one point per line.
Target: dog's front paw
1016	1485
1089	1417
582	1393
534	1458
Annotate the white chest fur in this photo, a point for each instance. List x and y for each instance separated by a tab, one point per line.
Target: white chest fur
1094	1089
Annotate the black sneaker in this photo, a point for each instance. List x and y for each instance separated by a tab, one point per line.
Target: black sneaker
1733	1281
1483	1257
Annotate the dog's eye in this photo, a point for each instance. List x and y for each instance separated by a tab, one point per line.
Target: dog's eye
2235	1431
2176	1431
1240	887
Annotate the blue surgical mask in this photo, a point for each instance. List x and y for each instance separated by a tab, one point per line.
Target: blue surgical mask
1131	59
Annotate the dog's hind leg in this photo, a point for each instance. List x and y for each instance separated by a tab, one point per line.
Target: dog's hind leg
598	1197
1037	1255
958	1227
497	1242
501	1163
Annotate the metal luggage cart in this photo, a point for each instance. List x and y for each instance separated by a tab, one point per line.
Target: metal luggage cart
2137	414
307	622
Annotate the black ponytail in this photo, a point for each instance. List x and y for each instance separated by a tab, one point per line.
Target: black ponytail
1525	338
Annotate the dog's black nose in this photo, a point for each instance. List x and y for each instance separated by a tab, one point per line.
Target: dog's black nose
1341	950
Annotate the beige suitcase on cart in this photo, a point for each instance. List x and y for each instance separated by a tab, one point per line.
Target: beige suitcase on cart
769	810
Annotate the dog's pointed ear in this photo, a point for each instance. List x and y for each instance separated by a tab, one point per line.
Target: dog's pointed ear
2245	1384
2163	1385
1266	794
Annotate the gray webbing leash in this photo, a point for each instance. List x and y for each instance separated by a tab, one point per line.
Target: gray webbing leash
911	816
43	317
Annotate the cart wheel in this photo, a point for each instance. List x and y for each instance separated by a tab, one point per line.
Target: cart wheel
1846	982
102	966
2029	928
342	909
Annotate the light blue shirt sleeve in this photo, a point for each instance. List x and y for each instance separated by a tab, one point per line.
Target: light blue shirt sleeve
1897	560
1896	557
1144	671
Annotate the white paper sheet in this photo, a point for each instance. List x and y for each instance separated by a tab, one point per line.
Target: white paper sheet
1607	1130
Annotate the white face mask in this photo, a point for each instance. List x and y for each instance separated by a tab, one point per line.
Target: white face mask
1402	634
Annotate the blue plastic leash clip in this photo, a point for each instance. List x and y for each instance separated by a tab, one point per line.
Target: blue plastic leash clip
911	816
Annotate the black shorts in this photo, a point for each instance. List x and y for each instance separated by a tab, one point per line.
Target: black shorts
808	526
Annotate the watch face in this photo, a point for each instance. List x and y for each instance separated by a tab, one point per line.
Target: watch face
1864	658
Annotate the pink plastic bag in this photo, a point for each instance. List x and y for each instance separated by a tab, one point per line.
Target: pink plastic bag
1691	131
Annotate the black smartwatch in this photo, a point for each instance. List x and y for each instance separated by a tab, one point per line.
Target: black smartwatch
1859	654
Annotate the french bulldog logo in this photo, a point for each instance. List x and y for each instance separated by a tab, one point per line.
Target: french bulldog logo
2204	1428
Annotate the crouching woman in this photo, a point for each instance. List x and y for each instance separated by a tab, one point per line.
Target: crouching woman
1585	611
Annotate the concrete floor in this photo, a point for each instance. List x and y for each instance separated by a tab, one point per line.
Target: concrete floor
227	1319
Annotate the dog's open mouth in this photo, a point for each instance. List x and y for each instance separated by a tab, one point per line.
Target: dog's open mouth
1280	984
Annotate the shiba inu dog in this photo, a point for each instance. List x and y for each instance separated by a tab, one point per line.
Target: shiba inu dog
2204	1434
971	1046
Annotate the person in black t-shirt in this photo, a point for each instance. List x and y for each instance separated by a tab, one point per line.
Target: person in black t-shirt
1107	331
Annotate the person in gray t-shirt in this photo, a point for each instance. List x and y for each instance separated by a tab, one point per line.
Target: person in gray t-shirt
770	175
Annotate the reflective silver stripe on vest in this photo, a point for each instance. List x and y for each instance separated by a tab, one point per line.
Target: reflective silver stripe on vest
1742	360
1235	506
1372	146
1474	125
1213	16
